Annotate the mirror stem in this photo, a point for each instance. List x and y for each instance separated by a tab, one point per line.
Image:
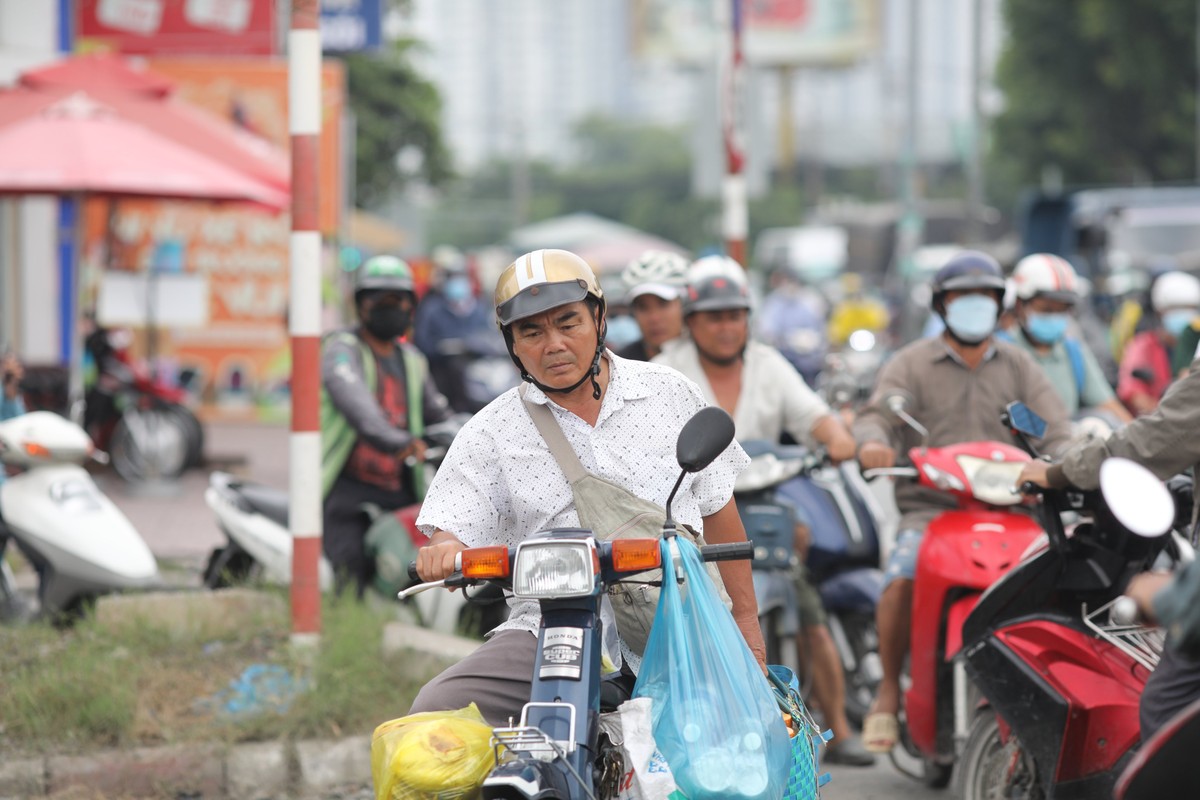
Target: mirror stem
669	522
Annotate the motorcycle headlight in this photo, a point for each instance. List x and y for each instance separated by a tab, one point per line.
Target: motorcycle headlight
555	568
993	482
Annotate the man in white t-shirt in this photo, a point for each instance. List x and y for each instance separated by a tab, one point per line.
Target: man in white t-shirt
499	482
766	396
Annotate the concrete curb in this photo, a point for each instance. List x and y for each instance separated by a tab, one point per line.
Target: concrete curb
257	771
334	768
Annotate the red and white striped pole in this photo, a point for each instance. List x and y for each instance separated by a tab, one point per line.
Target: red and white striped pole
735	215
304	483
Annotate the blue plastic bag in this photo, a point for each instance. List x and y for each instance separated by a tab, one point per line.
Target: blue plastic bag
714	716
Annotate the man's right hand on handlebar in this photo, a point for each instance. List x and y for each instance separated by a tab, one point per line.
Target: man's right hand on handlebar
876	455
435	561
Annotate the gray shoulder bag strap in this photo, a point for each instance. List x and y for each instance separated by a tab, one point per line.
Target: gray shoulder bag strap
560	448
614	512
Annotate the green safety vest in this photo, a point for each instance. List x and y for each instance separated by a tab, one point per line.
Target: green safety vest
338	436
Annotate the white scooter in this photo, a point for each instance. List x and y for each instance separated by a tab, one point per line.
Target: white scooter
79	542
258	546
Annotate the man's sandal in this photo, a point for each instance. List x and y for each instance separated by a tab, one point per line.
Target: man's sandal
880	732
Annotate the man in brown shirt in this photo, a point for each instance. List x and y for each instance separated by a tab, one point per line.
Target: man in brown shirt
957	385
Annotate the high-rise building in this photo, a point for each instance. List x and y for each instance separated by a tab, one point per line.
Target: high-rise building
517	75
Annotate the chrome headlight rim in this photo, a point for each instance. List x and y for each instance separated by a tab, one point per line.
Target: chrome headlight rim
582	582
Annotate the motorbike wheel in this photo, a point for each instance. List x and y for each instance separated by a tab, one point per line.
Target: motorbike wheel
193	433
148	445
228	566
769	622
863	671
991	768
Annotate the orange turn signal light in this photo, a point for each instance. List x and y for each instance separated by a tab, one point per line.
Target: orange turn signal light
485	562
37	450
635	555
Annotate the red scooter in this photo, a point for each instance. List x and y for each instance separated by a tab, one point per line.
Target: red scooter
1061	674
963	552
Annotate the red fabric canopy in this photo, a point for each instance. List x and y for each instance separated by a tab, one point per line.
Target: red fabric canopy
52	142
97	72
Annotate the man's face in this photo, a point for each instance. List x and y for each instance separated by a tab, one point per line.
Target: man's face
660	320
557	346
720	335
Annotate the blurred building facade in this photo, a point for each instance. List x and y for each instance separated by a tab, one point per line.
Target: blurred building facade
515	75
29	36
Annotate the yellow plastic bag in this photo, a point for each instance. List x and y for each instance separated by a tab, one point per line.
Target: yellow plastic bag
436	755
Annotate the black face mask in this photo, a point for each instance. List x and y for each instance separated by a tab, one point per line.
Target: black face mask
387	321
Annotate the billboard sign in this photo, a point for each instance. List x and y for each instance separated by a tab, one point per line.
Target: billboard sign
815	33
348	26
177	27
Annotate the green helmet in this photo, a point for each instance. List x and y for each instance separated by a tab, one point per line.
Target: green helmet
384	273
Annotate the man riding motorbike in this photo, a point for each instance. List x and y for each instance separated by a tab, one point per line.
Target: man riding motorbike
1146	369
766	396
375	393
500	482
1166	441
654	281
1047	291
959	383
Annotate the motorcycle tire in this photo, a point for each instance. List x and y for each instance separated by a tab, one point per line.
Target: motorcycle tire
990	765
193	432
148	445
228	566
862	671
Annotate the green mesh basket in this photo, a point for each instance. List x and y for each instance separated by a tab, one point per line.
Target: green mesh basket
806	779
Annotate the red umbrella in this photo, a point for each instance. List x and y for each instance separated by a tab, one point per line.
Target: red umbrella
97	72
57	143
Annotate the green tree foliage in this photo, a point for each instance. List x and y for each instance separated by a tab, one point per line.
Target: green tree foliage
1105	90
395	108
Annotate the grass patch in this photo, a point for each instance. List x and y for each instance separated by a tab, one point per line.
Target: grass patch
130	685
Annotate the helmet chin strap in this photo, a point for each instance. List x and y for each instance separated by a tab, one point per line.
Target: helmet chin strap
591	374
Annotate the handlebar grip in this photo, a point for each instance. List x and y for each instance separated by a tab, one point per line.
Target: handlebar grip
412	571
1029	487
732	551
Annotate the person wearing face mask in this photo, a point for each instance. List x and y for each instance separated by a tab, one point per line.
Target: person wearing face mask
452	327
957	385
1046	291
1146	370
375	392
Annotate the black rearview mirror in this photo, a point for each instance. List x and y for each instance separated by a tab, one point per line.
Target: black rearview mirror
703	438
1022	419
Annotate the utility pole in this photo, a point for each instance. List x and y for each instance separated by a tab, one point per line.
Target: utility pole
304	320
908	234
975	139
734	213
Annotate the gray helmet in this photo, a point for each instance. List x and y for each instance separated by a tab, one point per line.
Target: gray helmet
968	270
385	274
716	283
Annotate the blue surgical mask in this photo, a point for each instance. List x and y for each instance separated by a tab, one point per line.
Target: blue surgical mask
1175	322
972	317
457	289
1047	328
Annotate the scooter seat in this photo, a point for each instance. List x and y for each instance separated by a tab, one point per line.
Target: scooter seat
271	503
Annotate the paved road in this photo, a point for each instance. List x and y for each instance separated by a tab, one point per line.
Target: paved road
179	527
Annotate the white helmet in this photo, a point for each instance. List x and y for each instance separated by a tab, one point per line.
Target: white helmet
1046	275
1175	290
657	272
716	283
